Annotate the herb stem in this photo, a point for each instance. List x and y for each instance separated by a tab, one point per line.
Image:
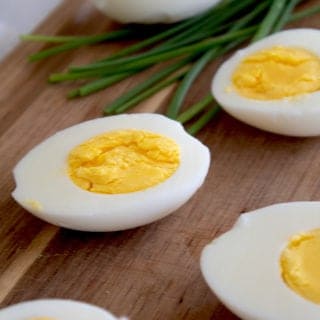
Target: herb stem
305	13
203	120
195	109
147	93
113	35
185	48
269	21
140	88
179	96
148	60
181	92
285	16
98	85
76	43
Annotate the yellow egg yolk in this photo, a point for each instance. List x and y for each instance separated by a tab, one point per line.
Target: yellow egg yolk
34	204
123	161
300	265
277	73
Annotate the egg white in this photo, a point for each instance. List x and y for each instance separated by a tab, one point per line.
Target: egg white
297	116
242	266
41	177
146	11
58	309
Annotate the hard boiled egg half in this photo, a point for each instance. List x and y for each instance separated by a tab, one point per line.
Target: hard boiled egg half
267	267
146	11
274	83
55	309
111	173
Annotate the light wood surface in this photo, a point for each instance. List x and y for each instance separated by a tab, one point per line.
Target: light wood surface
150	272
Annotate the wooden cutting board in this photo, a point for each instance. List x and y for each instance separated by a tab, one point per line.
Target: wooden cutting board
150	272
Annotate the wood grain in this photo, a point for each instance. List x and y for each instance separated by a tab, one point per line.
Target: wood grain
16	270
150	272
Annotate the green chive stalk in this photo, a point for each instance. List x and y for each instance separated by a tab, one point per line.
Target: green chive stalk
184	49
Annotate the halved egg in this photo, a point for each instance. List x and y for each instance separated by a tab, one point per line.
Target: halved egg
267	267
55	309
111	173
146	11
274	83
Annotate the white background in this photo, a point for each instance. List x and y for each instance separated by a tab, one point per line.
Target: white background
19	17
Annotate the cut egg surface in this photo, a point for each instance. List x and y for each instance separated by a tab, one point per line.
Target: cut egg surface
274	83
55	309
146	11
267	267
111	173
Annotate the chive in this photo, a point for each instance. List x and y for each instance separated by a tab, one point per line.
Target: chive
285	15
113	35
54	51
305	13
148	42
192	44
81	41
182	90
177	101
145	62
120	61
140	88
116	35
123	100
61	77
184	39
195	109
148	60
202	20
267	24
250	18
185	36
98	85
49	39
147	93
218	19
178	28
199	124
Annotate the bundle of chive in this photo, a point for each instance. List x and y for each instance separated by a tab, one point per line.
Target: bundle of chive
184	48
